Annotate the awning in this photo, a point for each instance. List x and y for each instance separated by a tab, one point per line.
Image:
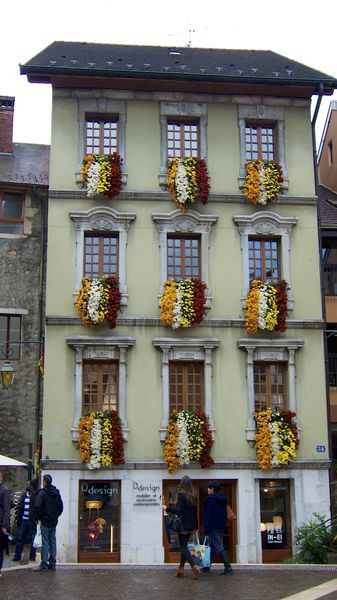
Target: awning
5	461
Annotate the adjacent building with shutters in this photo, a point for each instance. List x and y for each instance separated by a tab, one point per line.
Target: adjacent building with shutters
184	328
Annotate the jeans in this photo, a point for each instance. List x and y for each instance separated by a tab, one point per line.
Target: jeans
185	554
215	540
48	548
26	527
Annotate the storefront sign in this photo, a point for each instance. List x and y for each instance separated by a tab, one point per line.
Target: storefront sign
98	489
146	494
274	537
320	448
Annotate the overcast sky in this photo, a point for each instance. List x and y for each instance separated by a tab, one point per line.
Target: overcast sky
297	29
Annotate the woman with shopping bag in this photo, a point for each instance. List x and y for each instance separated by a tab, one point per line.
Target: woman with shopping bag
185	523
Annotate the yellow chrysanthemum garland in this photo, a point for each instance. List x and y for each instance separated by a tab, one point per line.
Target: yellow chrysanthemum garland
266	306
102	174
182	302
187	181
101	439
98	301
188	439
264	181
276	438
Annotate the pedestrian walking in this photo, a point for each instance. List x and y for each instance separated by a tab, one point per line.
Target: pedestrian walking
185	507
48	508
4	518
215	518
26	521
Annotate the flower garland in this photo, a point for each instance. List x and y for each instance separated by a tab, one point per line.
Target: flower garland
266	306
98	301
102	174
101	439
182	303
187	181
276	438
264	180
188	438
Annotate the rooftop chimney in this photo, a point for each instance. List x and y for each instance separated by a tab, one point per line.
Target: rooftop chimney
6	124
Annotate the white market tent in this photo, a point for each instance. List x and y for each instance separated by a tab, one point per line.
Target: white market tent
5	461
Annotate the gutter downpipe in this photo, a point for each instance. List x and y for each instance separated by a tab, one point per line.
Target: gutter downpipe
319	231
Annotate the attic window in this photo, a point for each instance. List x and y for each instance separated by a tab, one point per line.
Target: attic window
174	53
330	153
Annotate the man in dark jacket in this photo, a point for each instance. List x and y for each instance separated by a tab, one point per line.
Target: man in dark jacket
26	522
4	518
215	518
48	508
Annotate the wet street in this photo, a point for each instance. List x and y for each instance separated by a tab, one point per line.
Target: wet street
88	582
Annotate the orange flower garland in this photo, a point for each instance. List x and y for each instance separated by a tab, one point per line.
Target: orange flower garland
264	181
263	437
266	306
276	438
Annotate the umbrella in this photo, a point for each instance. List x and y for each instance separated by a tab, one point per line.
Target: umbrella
5	461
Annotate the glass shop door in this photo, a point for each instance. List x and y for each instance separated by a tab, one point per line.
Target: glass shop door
99	521
171	544
275	521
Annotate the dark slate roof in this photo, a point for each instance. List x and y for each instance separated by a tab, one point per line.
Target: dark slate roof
202	64
328	207
29	165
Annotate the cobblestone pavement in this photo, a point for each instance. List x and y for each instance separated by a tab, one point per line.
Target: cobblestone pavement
119	582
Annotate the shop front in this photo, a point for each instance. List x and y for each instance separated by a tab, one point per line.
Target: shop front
99	521
171	544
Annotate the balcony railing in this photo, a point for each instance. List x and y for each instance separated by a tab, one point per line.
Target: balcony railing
330	280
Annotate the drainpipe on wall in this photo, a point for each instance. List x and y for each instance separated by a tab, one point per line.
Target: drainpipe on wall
326	362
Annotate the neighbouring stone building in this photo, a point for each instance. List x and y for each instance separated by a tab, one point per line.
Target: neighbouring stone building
24	172
198	314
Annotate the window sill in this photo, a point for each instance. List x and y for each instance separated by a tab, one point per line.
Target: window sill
79	181
163	433
75	435
124	298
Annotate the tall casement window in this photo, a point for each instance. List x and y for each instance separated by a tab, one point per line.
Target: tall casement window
264	259
100	386
183	257
260	142
184	241
101	242
101	126
186	386
270	376
100	376
186	376
11	211
101	134
183	139
100	255
265	248
183	133
262	135
270	386
10	331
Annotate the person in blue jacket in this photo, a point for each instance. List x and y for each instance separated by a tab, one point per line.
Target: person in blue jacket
215	517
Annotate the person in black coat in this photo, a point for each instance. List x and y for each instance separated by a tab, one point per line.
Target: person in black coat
186	508
48	508
4	518
26	522
215	518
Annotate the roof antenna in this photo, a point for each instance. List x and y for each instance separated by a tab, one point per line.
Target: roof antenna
190	31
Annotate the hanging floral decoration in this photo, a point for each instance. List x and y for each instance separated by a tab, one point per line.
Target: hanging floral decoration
276	438
188	438
266	306
101	439
183	302
264	180
98	301
102	174
187	181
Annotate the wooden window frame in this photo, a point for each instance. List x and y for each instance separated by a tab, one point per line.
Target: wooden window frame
265	370
259	133
87	387
101	254
184	376
264	259
182	146
186	270
18	222
101	120
11	352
